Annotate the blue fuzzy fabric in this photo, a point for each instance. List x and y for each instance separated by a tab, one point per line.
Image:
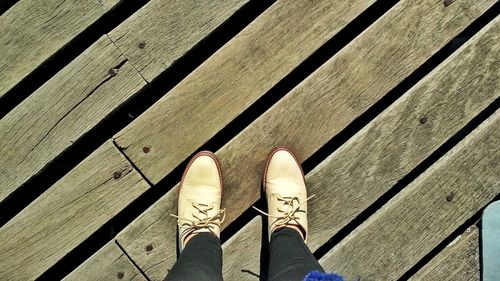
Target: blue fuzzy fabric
318	276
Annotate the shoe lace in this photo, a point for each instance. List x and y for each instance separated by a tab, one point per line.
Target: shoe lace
202	219
286	215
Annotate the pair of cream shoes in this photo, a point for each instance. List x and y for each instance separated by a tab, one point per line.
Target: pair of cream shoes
199	200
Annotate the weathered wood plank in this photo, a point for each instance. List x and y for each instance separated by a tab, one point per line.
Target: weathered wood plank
395	142
62	111
109	263
69	212
237	75
84	92
329	98
425	212
33	30
167	38
157	228
458	261
237	265
326	102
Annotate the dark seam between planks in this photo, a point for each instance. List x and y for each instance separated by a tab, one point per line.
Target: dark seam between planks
473	220
6	4
408	178
125	113
132	164
360	122
119	119
131	260
108	78
62	57
123	54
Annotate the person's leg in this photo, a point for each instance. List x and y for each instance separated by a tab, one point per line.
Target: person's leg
289	257
286	194
201	259
198	219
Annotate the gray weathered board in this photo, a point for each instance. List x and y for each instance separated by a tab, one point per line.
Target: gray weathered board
425	212
390	146
231	80
68	213
168	29
329	98
62	111
109	263
459	261
81	95
32	31
238	265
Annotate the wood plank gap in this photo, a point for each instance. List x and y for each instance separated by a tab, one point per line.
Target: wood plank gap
109	263
55	62
131	260
366	169
138	102
412	175
52	235
124	55
297	75
247	66
459	260
426	212
472	222
6	4
131	163
357	124
288	122
37	147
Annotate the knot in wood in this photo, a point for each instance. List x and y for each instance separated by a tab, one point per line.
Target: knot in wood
448	2
450	196
112	72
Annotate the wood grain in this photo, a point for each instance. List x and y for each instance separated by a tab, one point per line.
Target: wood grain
169	29
156	228
311	114
394	143
424	213
458	261
62	111
68	213
237	264
231	80
109	263
33	30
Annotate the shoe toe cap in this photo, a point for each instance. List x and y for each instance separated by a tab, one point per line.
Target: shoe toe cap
284	167
203	171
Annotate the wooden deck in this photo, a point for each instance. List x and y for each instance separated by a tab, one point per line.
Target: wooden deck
392	106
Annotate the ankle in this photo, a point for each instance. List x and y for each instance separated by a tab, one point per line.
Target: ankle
293	227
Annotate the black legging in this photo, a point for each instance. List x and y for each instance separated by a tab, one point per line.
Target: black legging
289	258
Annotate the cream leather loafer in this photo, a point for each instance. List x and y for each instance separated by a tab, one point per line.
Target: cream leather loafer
285	188
199	199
